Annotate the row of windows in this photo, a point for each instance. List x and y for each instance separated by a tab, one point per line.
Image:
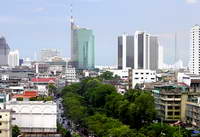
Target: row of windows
136	73
171	113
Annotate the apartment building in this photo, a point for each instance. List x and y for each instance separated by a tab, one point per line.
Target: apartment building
170	102
5	123
193	111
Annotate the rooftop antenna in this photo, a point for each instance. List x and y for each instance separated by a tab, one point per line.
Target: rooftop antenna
71	12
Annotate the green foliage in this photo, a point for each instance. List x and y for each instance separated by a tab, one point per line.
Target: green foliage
74	108
15	131
20	99
104	126
159	130
42	98
63	131
108	76
52	89
103	111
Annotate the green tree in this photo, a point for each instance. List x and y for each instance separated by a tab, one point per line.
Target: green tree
63	131
107	76
122	131
15	131
98	95
51	89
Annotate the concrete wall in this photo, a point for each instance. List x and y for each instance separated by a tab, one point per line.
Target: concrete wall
34	116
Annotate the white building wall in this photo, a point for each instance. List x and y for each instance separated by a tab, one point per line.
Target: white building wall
122	73
13	58
140	76
34	116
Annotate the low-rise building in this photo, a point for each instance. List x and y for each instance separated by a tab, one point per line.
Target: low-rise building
5	123
170	102
34	116
141	76
193	111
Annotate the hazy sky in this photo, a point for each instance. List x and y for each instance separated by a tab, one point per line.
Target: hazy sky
30	25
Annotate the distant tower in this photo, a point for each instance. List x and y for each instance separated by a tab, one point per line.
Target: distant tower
4	51
194	64
13	58
82	46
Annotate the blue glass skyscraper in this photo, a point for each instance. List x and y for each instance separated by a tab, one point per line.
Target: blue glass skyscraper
82	47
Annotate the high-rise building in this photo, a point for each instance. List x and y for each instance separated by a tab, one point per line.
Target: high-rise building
194	63
125	51
13	58
154	53
141	50
138	52
4	50
47	54
82	47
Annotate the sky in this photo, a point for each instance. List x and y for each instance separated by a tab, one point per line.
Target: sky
31	25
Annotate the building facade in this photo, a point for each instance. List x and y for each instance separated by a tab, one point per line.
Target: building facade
170	102
194	63
140	51
125	51
5	123
4	51
193	111
141	76
82	47
34	116
13	58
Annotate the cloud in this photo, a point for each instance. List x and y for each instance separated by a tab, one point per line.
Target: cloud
192	1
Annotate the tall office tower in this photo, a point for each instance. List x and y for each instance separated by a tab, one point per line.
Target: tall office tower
82	47
138	52
142	50
13	58
194	63
47	54
125	51
154	53
4	50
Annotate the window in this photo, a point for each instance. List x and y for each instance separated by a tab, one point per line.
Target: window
177	113
0	123
0	131
0	116
170	107
170	113
177	107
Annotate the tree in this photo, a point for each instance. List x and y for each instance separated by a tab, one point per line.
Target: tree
122	131
107	76
98	95
15	131
51	89
63	131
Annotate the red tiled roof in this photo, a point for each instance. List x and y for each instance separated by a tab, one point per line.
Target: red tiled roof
27	94
43	80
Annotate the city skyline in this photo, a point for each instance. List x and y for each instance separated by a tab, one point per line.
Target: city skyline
45	24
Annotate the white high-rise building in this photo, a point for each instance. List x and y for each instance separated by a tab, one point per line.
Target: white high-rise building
194	63
125	51
13	58
145	51
140	51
